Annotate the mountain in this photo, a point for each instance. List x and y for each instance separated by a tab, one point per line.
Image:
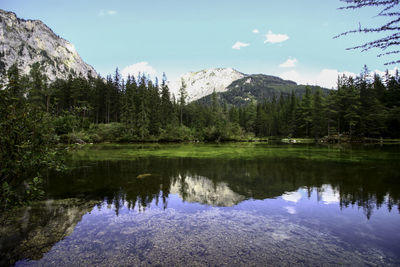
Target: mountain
258	87
234	87
29	41
202	83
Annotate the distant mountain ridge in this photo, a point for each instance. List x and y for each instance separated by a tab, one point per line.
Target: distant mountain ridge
258	87
234	87
29	41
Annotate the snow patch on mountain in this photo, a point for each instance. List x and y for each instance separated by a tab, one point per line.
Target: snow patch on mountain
205	82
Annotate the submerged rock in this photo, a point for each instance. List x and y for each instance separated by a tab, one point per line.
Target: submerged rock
144	175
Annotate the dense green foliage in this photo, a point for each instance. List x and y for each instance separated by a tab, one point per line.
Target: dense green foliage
361	107
138	109
27	141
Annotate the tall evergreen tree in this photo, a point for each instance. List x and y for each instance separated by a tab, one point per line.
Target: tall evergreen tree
351	105
166	105
38	92
142	120
318	116
304	113
182	99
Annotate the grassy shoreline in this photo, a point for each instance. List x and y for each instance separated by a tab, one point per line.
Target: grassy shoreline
234	150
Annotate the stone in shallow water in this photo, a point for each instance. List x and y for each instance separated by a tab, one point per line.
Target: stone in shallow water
144	175
210	237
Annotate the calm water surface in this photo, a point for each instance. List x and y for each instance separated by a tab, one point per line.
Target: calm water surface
232	204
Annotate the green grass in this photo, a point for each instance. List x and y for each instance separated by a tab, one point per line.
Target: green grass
339	153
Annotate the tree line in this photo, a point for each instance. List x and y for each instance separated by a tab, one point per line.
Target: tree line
138	109
361	107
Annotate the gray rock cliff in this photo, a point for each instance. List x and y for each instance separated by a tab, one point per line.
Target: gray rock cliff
29	41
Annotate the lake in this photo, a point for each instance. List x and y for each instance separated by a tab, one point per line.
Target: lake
235	204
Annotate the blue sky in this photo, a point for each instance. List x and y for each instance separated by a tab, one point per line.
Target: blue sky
178	36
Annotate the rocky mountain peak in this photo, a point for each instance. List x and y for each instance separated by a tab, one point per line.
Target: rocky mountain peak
205	82
29	41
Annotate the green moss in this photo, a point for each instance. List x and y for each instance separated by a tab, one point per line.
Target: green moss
236	151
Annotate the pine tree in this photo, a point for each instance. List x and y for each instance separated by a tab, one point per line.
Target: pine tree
304	113
115	96
166	105
142	120
182	99
38	92
379	88
318	116
291	114
14	85
251	115
392	102
331	111
154	102
351	105
261	124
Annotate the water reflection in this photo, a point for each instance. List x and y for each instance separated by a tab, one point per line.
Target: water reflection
202	190
210	212
228	182
29	232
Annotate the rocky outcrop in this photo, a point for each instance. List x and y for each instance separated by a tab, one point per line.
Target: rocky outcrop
25	42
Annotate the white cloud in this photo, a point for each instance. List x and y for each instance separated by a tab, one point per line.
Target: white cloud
325	78
392	72
140	67
289	63
107	13
292	196
275	38
255	31
239	45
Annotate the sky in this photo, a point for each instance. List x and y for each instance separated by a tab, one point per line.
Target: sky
292	39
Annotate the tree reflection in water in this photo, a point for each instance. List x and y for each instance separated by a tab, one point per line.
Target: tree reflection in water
219	182
130	188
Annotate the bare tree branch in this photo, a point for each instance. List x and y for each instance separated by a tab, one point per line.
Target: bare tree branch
389	53
392	27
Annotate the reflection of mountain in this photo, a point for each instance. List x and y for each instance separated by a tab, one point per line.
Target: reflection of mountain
203	190
227	182
28	233
31	232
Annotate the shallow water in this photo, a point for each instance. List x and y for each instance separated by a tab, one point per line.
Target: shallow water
232	204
